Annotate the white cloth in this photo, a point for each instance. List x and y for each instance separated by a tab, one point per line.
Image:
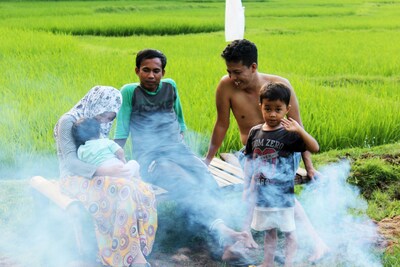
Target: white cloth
98	100
234	20
270	218
132	165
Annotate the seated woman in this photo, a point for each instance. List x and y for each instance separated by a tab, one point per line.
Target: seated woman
124	210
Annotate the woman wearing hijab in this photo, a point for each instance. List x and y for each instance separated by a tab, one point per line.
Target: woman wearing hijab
124	210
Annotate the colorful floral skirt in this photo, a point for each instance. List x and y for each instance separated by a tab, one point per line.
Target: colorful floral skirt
124	212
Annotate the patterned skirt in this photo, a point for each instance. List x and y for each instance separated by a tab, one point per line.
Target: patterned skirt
124	212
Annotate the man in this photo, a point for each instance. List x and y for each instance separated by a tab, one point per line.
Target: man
151	113
239	92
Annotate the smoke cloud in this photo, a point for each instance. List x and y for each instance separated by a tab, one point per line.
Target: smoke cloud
337	211
42	235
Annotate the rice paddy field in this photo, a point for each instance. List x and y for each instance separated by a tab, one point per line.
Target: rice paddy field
341	56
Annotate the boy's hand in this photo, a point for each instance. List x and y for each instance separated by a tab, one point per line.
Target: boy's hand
290	125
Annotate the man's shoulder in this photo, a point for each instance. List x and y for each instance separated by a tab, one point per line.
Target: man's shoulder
271	78
226	87
226	82
129	86
169	81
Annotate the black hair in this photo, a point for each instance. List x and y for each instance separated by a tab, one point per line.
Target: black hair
275	91
241	51
84	130
149	54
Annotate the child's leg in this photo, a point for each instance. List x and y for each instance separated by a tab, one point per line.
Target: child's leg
270	241
290	248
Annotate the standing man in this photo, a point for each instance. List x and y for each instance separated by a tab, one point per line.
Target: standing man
239	92
151	114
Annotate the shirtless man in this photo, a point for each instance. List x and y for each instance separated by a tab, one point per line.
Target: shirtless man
239	91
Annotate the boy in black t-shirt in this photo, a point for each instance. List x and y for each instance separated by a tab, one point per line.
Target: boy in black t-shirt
270	168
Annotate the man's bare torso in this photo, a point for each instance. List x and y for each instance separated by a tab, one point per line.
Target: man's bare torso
245	104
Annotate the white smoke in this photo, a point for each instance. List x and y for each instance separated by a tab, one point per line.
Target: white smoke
338	213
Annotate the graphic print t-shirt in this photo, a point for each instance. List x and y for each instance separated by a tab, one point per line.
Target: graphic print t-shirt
273	159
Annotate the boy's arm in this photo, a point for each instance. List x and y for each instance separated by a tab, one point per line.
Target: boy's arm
294	113
311	143
293	126
222	123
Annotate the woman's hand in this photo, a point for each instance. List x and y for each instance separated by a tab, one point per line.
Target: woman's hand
117	170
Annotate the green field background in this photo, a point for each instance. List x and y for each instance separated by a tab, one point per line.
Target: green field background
342	58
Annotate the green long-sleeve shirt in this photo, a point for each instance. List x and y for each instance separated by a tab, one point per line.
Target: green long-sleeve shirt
157	115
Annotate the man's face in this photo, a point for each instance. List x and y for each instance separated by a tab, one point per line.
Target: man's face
240	74
150	73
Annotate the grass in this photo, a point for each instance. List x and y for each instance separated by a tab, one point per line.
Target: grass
342	70
340	56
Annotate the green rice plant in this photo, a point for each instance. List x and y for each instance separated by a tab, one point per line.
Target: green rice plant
343	70
114	19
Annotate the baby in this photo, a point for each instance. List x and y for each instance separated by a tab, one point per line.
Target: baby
99	151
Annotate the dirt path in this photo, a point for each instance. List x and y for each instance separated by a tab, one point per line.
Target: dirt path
390	229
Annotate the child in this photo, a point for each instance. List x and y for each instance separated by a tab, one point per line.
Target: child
270	169
99	151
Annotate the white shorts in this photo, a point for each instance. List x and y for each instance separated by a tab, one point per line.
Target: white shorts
271	218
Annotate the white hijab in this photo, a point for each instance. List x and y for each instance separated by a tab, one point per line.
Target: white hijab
98	100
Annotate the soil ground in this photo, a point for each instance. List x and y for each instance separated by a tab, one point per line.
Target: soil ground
389	228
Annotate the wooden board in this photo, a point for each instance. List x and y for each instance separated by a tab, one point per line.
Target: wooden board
51	190
227	168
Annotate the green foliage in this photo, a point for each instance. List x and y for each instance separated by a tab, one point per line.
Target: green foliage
114	19
392	259
374	174
383	204
337	55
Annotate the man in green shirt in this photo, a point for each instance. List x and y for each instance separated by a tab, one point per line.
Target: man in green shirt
152	114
